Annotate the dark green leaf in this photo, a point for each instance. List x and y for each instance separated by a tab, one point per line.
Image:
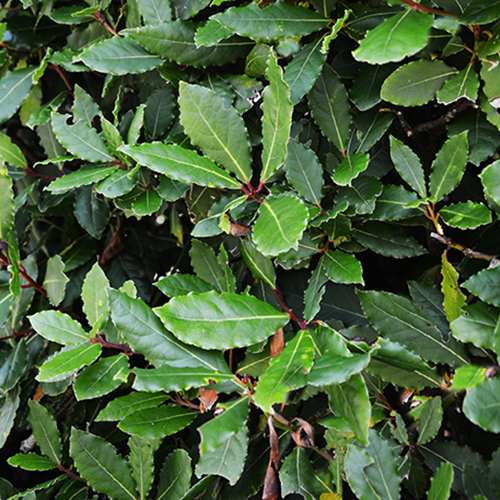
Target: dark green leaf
175	476
9	406
91	212
13	366
365	92
485	285
408	165
490	177
430	417
31	461
391	204
159	113
44	428
120	407
14	88
361	196
261	267
176	285
341	267
155	11
79	178
481	12
142	464
331	368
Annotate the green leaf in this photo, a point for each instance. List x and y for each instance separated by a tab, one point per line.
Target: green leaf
218	430
388	240
286	372
13	366
147	203
408	165
84	107
145	333
350	400
97	462
119	56
67	361
465	84
371	126
91	212
142	464
297	475
304	171
260	266
172	378
181	164
373	472
155	11
211	33
256	62
466	215
175	42
454	299
341	267
10	405
303	70
31	461
58	327
79	178
332	368
441	483
228	460
315	291
220	321
44	428
285	217
330	107
277	109
55	280
481	12
120	407
399	320
10	153
14	88
467	377
391	204
159	113
278	20
484	285
350	167
448	167
365	92
80	139
175	285
399	36
220	133
361	196
154	423
416	83
490	177
134	129
95	296
482	405
430	417
99	379
175	476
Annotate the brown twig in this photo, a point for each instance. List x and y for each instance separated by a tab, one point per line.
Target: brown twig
98	17
429	10
279	297
99	339
60	72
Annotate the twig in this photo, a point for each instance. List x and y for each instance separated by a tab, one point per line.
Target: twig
429	10
98	17
279	297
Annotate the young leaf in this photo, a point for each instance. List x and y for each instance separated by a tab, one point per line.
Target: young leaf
416	83
58	327
350	167
330	107
482	405
399	36
220	321
466	215
134	129
142	464
304	171
408	165
175	285
175	476
55	280
10	153
465	84
285	217
95	296
31	461
277	109
45	430
219	132
454	299
261	267
484	285
441	483
286	372
97	462
341	267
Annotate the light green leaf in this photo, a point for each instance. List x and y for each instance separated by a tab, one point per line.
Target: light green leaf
228	460
343	268
441	483
181	164
58	327
9	406
465	84
220	133
10	153
145	333
416	83
99	379
467	377
490	177
220	321
466	215
80	139
304	171
155	11
31	461
430	416
44	428
79	178
301	72
120	407
330	107
285	218
314	291
134	129
350	400
350	167
13	366
481	12
175	476
84	107
147	203
67	361
286	372
155	423
331	368
119	56
175	285
388	240
95	296
55	280
98	463
260	266
142	464
278	20
482	405
484	285
14	88
277	120
401	35
211	33
454	299
448	167
117	184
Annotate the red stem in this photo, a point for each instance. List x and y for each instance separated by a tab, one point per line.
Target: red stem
279	297
428	10
60	72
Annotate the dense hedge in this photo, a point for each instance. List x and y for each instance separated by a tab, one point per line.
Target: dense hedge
249	250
